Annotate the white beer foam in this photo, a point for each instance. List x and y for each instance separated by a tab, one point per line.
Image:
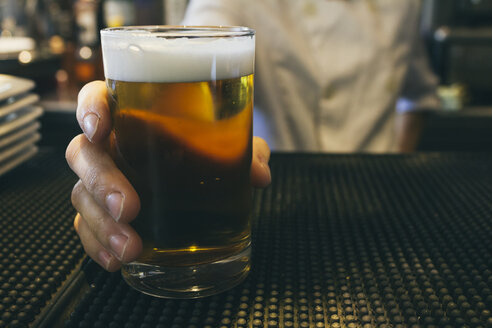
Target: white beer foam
139	57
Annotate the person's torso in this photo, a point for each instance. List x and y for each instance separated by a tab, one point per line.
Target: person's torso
328	72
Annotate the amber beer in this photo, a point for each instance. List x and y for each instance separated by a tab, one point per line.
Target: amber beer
195	189
181	102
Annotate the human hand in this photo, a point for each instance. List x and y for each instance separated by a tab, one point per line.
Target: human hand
105	200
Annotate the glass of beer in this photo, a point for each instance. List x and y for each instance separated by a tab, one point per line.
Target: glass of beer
181	101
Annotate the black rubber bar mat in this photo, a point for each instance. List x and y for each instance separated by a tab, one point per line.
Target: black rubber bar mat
39	249
338	241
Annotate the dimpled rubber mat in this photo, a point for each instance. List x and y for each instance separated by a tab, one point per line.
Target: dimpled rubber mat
38	246
338	241
343	241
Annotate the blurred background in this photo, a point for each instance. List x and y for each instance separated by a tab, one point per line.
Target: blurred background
56	44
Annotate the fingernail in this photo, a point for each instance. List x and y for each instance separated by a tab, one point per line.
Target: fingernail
91	122
263	157
105	259
114	203
118	245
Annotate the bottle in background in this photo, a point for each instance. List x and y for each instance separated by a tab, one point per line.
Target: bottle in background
88	63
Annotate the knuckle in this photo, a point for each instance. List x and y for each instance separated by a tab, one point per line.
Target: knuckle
91	178
84	98
86	89
98	182
262	145
75	194
73	149
77	191
95	182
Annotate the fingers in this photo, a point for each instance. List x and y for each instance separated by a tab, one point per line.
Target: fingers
104	198
106	202
93	248
260	171
93	111
108	242
102	179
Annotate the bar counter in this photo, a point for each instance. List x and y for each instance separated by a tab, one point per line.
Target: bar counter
338	241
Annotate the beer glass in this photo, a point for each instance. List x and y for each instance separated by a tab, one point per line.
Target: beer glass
181	101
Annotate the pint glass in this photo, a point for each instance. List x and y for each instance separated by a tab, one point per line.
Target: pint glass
181	101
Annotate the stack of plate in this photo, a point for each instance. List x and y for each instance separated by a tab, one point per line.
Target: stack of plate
18	121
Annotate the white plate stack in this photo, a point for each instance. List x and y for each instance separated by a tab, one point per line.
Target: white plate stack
19	126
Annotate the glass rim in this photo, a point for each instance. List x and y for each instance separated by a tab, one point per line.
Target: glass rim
178	31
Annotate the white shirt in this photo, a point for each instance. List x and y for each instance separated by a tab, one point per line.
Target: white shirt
330	74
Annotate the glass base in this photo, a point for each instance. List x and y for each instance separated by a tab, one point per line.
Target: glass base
188	282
